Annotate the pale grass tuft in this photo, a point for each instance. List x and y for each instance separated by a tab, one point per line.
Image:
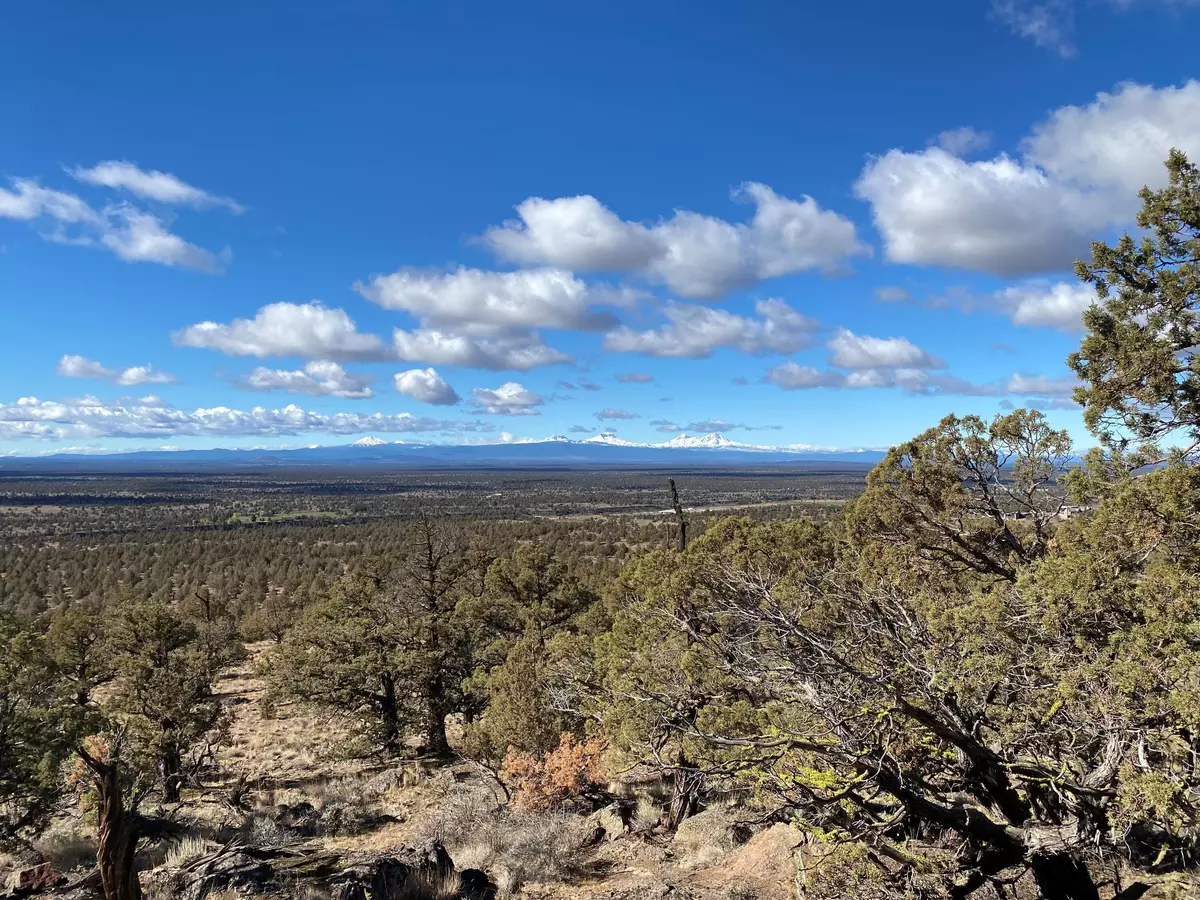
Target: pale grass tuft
262	831
514	846
186	849
646	817
425	887
507	884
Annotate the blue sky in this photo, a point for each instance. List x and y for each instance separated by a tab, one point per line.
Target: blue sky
284	223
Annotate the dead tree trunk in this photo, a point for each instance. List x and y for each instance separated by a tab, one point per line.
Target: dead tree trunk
116	832
683	525
389	711
436	743
171	765
685	794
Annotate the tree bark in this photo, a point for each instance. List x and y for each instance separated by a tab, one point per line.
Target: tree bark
116	833
685	793
172	775
683	525
436	742
389	710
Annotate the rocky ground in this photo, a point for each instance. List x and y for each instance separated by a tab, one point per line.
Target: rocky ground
283	814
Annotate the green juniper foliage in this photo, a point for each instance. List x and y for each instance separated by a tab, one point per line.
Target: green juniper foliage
1138	364
32	747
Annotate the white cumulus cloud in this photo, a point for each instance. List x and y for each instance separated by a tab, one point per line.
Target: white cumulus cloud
510	399
307	330
1079	174
999	216
1120	139
610	414
519	351
488	320
137	236
855	351
130	233
1041	385
319	378
489	303
28	200
71	366
427	386
137	375
89	417
697	256
1038	303
791	376
694	332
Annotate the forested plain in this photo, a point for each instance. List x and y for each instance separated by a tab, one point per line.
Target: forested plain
973	673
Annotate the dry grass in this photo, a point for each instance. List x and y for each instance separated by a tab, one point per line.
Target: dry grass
65	848
514	847
274	743
423	887
187	848
646	816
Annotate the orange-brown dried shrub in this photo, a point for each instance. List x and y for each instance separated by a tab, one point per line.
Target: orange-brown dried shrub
560	777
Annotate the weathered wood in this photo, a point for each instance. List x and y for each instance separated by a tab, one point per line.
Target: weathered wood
683	525
267	870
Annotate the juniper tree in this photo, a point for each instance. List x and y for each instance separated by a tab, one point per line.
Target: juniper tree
529	592
1035	727
77	647
1138	362
964	497
434	643
341	657
33	743
163	694
529	601
388	648
123	748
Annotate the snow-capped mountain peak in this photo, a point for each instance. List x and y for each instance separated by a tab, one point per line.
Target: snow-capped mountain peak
714	441
369	441
610	437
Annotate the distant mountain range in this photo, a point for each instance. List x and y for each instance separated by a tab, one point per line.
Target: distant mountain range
715	441
602	450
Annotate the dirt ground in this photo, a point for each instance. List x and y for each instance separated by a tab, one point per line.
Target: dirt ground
284	762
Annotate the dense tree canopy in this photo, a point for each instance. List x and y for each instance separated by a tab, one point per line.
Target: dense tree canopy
32	746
